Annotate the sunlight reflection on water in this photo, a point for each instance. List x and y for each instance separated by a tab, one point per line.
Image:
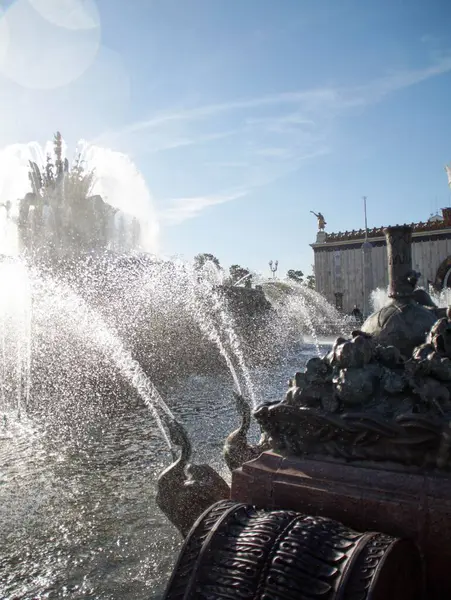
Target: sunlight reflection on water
79	518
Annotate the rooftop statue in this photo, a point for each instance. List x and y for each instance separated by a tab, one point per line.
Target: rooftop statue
321	220
385	394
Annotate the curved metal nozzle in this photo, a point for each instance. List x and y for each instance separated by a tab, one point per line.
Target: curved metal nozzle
179	437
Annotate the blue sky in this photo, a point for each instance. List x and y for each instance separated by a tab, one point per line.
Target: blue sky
244	115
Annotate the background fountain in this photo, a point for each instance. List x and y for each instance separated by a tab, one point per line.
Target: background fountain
94	330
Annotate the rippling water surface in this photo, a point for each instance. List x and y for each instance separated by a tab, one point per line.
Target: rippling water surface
78	517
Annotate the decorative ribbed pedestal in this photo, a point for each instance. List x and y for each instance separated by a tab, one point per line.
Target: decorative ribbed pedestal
407	505
238	552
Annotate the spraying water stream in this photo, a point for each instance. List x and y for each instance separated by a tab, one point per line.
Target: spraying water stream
82	335
84	320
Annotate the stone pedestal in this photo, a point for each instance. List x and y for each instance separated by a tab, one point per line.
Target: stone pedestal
410	505
321	237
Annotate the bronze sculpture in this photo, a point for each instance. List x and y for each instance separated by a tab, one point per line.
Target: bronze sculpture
363	435
237	449
186	490
321	220
383	395
238	551
403	322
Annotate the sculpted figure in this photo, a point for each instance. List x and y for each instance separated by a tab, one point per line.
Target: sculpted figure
321	220
384	395
186	490
237	449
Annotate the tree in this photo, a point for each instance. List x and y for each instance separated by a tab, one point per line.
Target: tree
201	259
237	272
311	281
297	276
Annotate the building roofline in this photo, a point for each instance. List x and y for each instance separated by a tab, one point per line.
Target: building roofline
377	233
379	240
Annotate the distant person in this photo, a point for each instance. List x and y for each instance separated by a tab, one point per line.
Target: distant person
357	313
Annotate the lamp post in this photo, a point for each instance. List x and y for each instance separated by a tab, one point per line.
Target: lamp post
273	266
367	258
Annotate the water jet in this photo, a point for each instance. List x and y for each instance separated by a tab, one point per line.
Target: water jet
90	339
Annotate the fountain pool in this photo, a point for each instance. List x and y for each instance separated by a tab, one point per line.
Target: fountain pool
78	517
89	342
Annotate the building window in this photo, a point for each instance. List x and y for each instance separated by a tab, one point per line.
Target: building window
338	300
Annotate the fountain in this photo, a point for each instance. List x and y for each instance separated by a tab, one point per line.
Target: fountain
363	438
106	349
61	217
73	285
304	308
93	327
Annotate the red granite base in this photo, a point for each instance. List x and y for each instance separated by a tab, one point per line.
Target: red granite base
416	506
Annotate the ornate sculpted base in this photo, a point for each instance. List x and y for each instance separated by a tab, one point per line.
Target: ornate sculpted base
237	551
398	503
409	439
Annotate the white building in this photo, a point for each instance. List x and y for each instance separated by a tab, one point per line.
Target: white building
340	261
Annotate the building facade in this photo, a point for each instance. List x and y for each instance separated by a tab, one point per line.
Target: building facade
349	265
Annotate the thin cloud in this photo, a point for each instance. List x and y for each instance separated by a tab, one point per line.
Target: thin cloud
228	164
400	80
309	97
182	142
275	152
313	99
182	209
287	123
299	127
161	141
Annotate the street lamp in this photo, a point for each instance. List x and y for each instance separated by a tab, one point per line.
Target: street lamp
367	248
273	266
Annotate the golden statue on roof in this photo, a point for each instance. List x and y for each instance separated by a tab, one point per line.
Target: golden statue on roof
321	220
